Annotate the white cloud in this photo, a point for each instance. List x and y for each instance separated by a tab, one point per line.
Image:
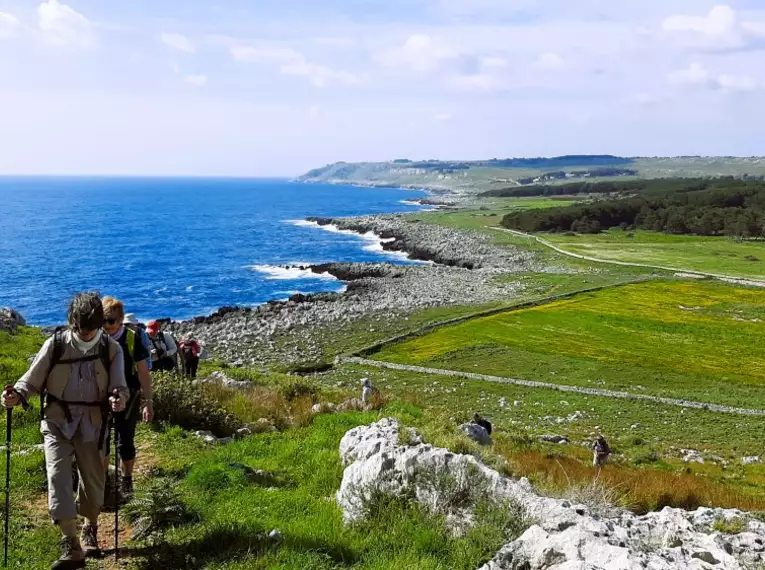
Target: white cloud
720	29
737	83
697	75
319	75
720	20
476	82
420	52
443	117
549	61
10	26
291	62
62	25
178	42
196	80
336	42
272	55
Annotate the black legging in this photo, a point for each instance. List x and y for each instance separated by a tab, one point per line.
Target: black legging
190	365
126	422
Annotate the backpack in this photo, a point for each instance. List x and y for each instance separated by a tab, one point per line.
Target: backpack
160	344
187	348
56	359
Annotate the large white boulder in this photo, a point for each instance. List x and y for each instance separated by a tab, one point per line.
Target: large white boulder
563	536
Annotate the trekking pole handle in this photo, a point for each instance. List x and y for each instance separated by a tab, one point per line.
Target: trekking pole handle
9	389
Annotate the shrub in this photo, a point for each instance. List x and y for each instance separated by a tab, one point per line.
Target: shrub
157	508
180	403
297	390
734	525
217	477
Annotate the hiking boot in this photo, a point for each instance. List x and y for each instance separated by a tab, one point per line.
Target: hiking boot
126	489
89	541
72	555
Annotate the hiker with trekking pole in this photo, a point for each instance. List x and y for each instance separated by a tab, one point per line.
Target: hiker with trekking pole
76	373
139	406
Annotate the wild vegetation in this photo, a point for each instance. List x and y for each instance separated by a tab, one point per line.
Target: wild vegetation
708	207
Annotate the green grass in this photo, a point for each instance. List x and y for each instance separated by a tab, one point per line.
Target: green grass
644	435
490	213
302	506
718	255
694	340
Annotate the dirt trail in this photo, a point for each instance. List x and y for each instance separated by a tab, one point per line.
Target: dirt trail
688	272
559	387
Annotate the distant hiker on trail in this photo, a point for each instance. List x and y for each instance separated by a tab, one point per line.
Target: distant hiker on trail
76	371
189	350
138	382
366	391
140	328
600	452
485	424
164	349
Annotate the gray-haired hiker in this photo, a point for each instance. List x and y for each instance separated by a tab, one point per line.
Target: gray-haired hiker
600	452
75	372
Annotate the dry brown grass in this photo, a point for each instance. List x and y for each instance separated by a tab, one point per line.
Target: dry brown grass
263	402
641	490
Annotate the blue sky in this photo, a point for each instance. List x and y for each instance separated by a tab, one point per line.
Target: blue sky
267	87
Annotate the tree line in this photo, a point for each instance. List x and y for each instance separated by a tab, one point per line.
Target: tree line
714	207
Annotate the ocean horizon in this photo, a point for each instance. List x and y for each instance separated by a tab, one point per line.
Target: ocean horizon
177	247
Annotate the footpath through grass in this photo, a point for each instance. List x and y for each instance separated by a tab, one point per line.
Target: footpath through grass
692	340
720	255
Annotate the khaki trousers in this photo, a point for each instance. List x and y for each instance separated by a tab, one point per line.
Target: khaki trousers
59	453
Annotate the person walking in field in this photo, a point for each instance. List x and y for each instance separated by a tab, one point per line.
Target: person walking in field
164	350
600	452
138	382
77	373
189	350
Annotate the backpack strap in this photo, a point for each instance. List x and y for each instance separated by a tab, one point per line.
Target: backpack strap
55	359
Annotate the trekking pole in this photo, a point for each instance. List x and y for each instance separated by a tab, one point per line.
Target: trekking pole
116	395
8	431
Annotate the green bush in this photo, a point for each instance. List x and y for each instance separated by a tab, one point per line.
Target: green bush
156	508
180	403
217	477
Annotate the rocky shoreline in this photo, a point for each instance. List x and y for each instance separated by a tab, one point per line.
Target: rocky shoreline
462	269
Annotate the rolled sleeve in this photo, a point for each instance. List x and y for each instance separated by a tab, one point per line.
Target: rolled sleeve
33	380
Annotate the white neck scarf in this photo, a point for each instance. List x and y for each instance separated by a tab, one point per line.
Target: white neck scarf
118	334
85	346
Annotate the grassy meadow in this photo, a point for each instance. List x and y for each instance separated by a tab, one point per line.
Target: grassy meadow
694	340
719	255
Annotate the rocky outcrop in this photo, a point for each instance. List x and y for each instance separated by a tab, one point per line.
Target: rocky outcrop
563	536
357	271
10	320
431	242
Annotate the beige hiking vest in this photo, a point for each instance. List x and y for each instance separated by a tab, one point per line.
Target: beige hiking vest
59	378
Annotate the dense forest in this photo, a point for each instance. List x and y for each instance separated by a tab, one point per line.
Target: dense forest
724	206
620	187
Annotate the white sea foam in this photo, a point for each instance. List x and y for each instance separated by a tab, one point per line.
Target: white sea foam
374	243
276	273
302	223
409	203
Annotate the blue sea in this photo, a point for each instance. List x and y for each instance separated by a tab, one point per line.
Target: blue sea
174	247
